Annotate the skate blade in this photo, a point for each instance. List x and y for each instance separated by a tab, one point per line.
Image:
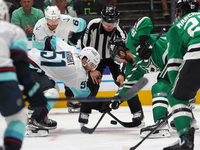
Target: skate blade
72	110
36	133
157	134
33	127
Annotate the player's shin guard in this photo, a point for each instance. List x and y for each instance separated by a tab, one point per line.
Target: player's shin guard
182	115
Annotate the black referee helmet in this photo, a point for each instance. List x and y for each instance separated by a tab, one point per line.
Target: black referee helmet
110	14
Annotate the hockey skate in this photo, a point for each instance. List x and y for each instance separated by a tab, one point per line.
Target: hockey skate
47	124
139	116
162	131
2	148
186	142
30	111
83	118
5	147
73	107
35	129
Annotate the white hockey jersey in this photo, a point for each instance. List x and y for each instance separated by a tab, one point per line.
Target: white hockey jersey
62	65
66	24
12	39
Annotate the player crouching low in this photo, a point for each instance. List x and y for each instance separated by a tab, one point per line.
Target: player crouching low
62	63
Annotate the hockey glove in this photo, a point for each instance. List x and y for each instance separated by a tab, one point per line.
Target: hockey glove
143	49
50	42
34	95
71	43
105	107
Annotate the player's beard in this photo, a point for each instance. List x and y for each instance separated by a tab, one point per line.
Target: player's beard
128	59
52	27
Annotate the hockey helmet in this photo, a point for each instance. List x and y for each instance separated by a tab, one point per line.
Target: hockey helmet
115	47
3	10
110	14
184	7
52	12
93	57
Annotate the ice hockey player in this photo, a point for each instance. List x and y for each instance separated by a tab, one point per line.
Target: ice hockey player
183	70
57	24
135	49
14	69
63	64
62	26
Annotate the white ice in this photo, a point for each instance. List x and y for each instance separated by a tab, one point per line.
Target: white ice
68	136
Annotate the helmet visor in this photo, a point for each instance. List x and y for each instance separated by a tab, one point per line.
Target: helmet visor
92	66
117	59
52	21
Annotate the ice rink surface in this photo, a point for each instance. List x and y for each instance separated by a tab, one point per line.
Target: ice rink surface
68	136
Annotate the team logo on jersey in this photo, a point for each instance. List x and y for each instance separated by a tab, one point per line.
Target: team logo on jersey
66	19
38	28
151	67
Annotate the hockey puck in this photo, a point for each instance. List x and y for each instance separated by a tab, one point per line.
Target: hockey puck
113	122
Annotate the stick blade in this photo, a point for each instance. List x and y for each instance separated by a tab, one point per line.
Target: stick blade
86	130
125	148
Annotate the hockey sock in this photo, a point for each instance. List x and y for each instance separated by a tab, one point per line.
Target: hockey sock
182	115
50	104
14	135
40	113
159	111
134	104
160	103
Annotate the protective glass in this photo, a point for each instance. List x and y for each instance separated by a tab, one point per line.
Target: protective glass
52	21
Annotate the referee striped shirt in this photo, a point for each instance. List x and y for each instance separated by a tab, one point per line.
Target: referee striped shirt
95	36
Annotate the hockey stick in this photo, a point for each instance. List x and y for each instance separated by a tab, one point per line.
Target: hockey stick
84	129
133	124
137	87
159	35
161	123
127	95
125	124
